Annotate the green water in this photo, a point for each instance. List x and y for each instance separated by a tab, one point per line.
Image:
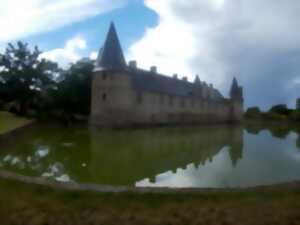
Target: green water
210	156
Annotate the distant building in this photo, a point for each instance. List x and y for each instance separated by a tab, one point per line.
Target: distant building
126	95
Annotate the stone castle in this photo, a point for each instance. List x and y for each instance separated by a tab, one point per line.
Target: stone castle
124	95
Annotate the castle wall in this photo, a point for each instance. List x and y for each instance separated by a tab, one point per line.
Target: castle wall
111	98
159	108
115	102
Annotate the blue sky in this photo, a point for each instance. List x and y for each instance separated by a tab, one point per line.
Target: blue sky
130	20
253	40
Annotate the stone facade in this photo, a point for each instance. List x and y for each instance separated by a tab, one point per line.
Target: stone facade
126	95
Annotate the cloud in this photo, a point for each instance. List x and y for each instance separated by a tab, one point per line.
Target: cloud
93	55
257	41
70	53
19	19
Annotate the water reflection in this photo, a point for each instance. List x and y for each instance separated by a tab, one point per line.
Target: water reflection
212	156
136	155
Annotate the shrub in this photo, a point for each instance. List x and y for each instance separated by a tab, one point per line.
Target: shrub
253	112
273	116
295	115
280	109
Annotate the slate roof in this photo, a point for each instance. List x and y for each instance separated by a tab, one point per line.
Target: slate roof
111	58
143	80
111	55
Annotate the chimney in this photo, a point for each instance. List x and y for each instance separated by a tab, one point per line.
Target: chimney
185	79
175	76
133	64
153	69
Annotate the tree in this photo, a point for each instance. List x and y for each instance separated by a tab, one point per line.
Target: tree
253	112
24	75
73	95
280	110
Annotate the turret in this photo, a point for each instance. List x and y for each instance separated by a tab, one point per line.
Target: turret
197	80
236	91
237	99
111	56
111	85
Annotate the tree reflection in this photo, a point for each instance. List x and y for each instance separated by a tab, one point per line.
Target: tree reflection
118	157
280	131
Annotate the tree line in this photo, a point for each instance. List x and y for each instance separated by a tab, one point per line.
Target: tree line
36	87
279	112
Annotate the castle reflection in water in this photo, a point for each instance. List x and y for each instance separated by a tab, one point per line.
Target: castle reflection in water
152	156
136	155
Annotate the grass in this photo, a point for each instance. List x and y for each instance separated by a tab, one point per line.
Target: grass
10	122
36	205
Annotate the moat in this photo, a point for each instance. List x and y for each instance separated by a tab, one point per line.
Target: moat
209	156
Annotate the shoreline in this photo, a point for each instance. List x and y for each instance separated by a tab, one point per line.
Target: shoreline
7	138
98	188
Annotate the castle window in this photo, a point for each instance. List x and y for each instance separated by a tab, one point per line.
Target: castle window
171	100
200	105
161	99
193	102
139	98
182	103
104	97
104	75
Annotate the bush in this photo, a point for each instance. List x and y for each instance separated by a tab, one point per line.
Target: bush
273	116
281	110
253	112
295	115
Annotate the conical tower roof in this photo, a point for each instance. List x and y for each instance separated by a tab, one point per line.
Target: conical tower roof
197	80
111	55
234	88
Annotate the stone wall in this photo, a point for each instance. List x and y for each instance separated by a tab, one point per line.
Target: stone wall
158	108
111	98
114	102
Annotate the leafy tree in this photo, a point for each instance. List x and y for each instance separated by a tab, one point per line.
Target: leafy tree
253	112
24	76
73	95
280	109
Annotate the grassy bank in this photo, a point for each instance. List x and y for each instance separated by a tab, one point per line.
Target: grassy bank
36	205
10	122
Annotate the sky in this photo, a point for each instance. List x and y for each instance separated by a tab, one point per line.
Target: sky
258	42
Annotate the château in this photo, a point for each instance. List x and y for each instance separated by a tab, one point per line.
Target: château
125	95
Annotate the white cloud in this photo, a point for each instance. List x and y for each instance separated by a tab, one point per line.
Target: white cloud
176	43
70	53
218	39
93	55
22	18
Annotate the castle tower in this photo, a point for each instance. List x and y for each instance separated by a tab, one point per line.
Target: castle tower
237	100
111	97
111	55
236	91
125	95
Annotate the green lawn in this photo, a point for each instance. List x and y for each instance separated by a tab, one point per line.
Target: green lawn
36	205
9	122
